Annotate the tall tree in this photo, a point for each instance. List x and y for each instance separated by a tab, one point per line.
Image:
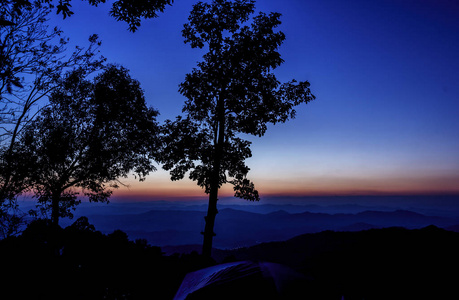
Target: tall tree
92	134
32	61
231	92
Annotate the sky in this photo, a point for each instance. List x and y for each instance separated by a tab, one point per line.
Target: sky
385	74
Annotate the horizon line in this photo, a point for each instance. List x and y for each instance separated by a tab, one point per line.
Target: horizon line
192	198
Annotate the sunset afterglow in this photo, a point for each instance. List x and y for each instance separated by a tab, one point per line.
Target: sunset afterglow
384	74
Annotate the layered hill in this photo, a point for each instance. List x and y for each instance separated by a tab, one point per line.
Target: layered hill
236	228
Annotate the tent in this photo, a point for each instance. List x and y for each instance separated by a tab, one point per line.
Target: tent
241	280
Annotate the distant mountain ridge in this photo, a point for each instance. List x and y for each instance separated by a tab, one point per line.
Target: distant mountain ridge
433	205
237	228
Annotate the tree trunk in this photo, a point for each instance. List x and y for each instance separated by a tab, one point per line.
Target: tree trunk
210	222
55	208
214	184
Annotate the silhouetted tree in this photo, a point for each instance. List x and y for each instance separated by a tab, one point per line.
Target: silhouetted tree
90	135
232	91
32	61
127	11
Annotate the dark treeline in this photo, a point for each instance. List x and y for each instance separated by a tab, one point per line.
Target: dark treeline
79	262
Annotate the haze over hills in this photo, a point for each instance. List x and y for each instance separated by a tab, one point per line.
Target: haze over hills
435	205
242	224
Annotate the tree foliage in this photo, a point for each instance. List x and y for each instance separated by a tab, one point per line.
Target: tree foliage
91	134
131	12
33	59
232	91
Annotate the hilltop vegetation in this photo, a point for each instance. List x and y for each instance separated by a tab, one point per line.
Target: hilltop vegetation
79	262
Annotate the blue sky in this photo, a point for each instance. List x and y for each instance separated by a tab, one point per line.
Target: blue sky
385	74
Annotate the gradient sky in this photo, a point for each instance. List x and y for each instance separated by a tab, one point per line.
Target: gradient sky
385	74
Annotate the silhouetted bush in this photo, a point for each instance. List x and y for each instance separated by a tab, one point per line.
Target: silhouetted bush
78	262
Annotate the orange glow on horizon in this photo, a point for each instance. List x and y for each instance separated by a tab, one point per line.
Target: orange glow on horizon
160	187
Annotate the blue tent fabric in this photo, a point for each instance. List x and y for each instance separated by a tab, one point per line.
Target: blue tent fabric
244	280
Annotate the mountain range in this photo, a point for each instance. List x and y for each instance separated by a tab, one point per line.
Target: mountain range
237	228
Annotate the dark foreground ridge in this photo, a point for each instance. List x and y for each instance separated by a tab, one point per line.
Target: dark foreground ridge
79	262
